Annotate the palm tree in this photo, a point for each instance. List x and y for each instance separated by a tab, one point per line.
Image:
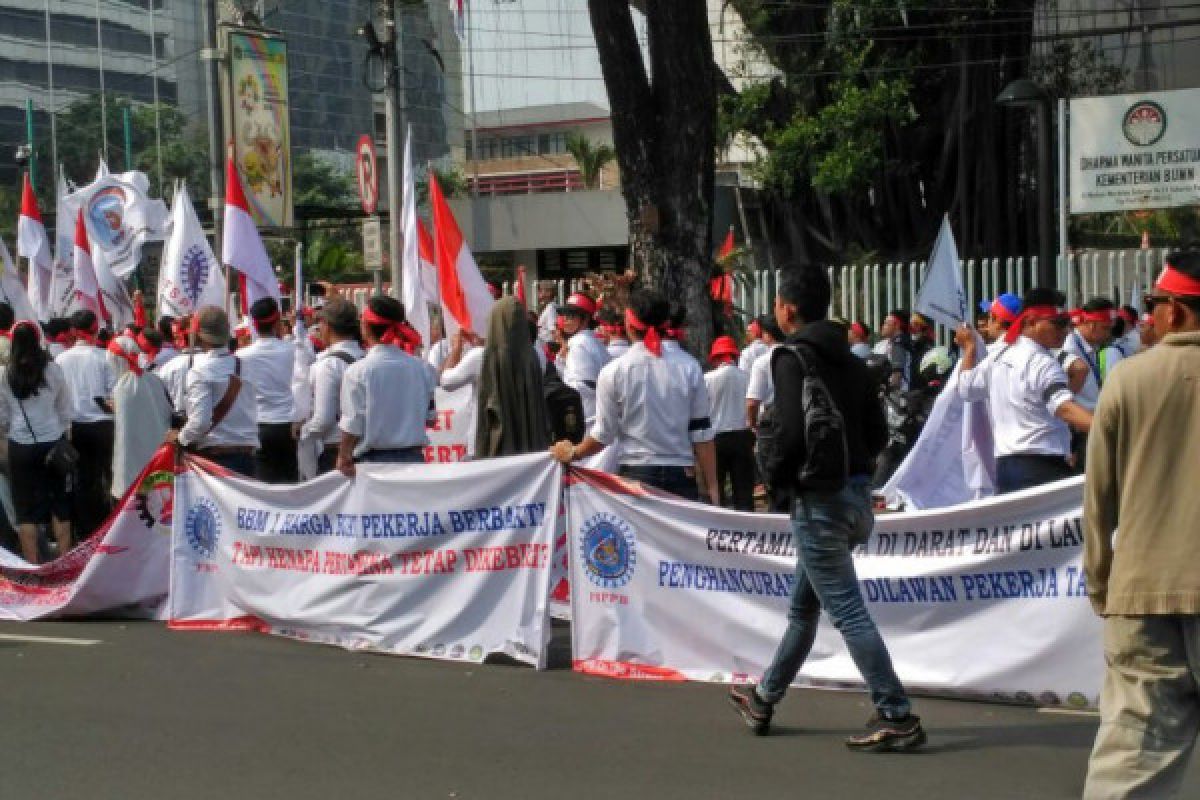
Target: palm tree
590	157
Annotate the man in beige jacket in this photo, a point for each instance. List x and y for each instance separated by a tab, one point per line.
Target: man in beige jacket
1144	581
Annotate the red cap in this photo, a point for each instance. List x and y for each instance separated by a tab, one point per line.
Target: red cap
723	346
582	302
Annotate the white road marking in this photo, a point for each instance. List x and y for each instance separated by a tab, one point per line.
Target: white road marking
12	637
1076	712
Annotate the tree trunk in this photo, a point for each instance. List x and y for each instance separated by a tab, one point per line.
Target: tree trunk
665	135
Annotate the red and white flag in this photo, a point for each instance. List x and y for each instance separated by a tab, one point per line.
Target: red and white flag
416	305
33	244
466	298
87	287
520	292
241	246
726	246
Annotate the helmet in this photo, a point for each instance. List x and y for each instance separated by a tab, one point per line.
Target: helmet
936	364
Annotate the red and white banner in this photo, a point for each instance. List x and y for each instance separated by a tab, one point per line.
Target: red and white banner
123	567
453	428
985	601
442	561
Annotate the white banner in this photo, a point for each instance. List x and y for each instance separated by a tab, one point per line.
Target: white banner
453	429
1135	151
443	561
120	216
986	602
122	567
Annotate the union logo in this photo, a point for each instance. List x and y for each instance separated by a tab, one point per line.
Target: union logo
1144	123
203	527
155	499
608	550
195	273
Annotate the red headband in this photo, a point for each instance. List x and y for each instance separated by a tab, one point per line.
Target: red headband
269	319
651	335
1001	312
146	346
1078	316
1173	281
400	334
131	360
901	322
25	323
676	334
1031	313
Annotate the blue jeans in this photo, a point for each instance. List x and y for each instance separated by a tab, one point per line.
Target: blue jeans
827	526
403	455
1014	473
675	480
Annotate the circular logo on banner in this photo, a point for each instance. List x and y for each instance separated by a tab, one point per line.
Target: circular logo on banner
106	216
609	553
155	499
202	527
1144	123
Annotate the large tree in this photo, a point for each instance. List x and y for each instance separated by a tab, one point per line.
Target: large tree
664	129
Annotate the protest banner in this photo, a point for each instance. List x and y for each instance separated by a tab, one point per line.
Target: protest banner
443	561
123	566
453	429
985	601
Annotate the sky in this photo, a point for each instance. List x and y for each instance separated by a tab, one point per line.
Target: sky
532	52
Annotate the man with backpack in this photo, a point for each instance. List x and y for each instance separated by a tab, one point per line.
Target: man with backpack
338	327
827	435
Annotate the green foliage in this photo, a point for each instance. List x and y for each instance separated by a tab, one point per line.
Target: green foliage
591	158
318	183
1075	68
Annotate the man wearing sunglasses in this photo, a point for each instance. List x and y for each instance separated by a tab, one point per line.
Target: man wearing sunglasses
1145	584
1027	393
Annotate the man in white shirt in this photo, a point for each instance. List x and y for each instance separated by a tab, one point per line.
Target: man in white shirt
734	441
548	319
859	337
92	381
268	365
654	401
437	351
387	397
760	391
613	330
166	349
1027	394
1084	351
755	346
338	327
221	422
586	355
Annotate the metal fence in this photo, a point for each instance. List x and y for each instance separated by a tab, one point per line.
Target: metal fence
867	292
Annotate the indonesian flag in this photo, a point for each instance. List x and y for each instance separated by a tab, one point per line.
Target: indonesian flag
726	246
521	287
33	244
466	298
458	12
11	290
87	287
429	276
241	247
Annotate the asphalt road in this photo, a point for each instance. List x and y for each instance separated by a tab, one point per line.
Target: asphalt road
151	713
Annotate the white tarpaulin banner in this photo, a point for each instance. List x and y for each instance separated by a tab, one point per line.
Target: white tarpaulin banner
983	601
122	567
1135	151
443	561
453	428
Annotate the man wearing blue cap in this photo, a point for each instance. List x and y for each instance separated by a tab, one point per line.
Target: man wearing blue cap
1001	314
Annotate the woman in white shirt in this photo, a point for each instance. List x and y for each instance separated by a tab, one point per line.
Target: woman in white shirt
35	413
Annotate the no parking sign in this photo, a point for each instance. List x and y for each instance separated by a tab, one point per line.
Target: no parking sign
366	173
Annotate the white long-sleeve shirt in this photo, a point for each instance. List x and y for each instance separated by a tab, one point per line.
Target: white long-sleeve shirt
268	364
207	382
586	356
90	376
387	400
49	409
326	376
727	397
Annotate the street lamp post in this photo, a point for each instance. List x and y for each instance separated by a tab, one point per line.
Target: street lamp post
1024	93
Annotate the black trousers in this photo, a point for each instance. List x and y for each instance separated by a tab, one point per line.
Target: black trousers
275	461
92	497
328	459
735	463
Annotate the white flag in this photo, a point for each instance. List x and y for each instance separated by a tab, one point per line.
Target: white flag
190	277
413	296
11	290
62	285
120	216
942	298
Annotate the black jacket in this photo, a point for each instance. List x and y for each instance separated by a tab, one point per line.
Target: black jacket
855	393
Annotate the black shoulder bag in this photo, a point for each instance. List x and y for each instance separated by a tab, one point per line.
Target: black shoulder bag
62	457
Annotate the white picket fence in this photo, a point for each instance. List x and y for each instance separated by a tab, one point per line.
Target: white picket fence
867	292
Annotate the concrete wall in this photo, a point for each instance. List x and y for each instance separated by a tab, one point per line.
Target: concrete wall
543	221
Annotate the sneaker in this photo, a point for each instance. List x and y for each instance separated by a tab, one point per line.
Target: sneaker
885	735
754	712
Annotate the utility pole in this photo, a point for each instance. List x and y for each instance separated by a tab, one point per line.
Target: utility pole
216	148
393	108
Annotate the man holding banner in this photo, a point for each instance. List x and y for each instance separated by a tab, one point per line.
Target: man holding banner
1145	583
832	511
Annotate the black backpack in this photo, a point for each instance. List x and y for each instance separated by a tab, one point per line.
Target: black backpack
564	408
825	463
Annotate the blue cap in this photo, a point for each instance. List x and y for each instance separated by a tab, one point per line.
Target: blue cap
1010	302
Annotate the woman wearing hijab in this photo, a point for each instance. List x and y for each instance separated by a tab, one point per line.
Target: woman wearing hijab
511	411
141	410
